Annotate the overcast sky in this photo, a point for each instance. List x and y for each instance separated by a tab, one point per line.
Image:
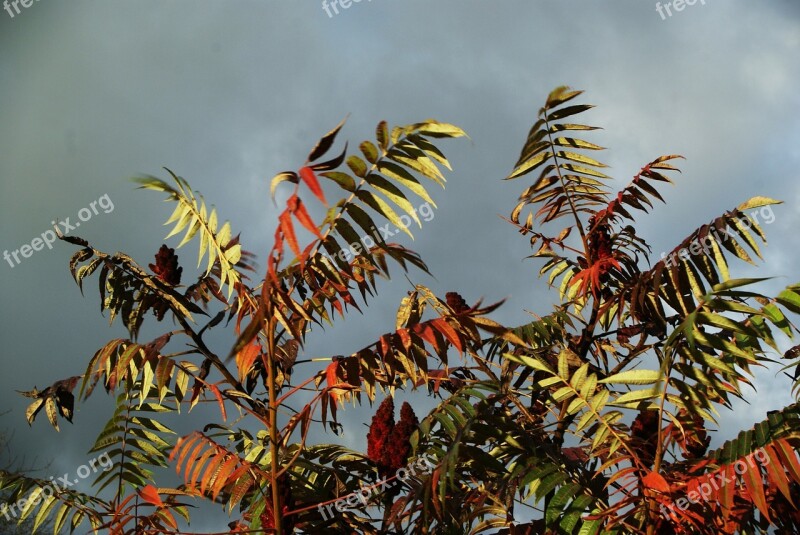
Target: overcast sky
228	93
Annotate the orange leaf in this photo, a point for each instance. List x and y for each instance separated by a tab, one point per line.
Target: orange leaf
332	377
753	482
308	176
443	327
620	474
656	481
190	465
222	478
304	219
331	373
198	467
183	447
211	469
169	518
789	456
288	230
245	359
150	495
727	489
221	401
775	472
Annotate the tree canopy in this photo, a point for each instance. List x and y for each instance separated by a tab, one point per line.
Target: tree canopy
591	419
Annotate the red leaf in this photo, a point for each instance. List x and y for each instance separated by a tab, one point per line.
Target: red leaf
308	176
150	495
221	401
753	482
386	345
332	379
405	338
288	230
452	336
331	373
304	219
425	332
656	481
338	306
436	377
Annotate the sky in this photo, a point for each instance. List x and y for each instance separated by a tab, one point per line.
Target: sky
229	93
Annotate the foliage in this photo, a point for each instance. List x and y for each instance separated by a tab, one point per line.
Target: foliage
598	417
591	419
272	479
9	467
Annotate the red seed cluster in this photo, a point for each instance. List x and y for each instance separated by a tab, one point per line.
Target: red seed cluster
644	431
166	267
380	430
456	302
388	444
399	447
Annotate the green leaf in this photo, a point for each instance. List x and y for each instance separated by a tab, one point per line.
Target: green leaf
736	283
417	160
357	165
405	178
395	195
530	362
576	143
382	136
530	165
380	206
580	158
637	396
370	151
634	377
345	181
436	129
790	300
568	111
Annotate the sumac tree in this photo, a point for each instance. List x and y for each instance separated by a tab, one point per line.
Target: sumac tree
591	419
